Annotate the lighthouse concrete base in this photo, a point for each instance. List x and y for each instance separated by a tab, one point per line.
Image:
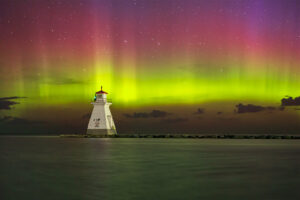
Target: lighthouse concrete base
101	132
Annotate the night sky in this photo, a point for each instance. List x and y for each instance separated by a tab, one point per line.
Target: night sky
168	65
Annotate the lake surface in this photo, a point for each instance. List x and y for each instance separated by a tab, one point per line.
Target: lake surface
123	168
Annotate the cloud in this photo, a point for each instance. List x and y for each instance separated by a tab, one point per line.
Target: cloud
175	120
290	101
18	121
63	81
18	125
152	114
6	103
199	111
281	108
250	108
10	98
5	119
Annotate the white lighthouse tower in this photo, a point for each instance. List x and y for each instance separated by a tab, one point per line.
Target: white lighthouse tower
101	121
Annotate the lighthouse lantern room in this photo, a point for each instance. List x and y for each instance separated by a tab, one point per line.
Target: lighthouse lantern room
101	121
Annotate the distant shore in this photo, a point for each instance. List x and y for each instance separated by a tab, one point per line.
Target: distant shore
190	136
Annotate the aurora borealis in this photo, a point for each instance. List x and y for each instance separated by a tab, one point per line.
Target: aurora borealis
147	53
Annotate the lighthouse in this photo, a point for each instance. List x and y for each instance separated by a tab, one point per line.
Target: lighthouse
101	121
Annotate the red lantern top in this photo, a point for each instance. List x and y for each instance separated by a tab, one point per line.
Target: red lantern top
101	91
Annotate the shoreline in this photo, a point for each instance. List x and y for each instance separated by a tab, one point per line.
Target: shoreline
187	136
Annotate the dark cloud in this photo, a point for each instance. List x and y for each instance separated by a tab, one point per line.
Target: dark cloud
152	114
289	101
10	98
5	119
6	105
281	108
17	125
250	108
6	102
175	120
18	121
64	81
199	111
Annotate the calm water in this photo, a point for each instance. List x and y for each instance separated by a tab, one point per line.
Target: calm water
63	168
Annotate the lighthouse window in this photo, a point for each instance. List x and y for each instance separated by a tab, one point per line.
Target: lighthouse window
97	122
